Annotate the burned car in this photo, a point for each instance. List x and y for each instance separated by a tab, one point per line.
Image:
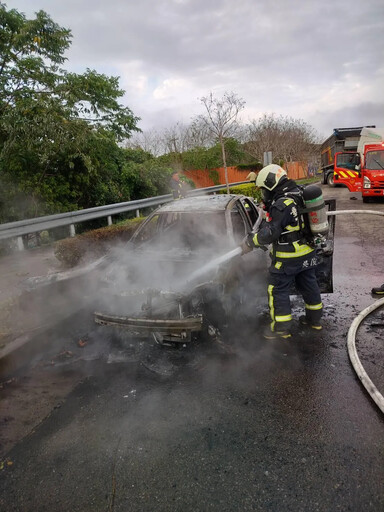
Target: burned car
168	283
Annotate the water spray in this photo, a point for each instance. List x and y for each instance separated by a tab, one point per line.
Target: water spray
214	264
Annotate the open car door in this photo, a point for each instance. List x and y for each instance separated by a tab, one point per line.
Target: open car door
324	271
347	171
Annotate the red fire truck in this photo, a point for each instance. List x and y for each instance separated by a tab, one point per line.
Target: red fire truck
355	157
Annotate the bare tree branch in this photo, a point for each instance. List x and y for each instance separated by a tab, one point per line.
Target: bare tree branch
289	139
221	119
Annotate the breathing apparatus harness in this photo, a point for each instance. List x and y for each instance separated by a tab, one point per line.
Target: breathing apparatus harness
312	216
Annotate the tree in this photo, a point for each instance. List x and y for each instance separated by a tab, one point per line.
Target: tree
143	176
289	139
174	140
221	120
149	141
52	122
30	77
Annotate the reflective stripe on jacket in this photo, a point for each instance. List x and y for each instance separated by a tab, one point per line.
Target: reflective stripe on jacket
283	231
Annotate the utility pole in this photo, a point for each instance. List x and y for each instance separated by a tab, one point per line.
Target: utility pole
267	158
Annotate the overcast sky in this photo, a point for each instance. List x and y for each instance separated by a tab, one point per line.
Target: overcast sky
320	61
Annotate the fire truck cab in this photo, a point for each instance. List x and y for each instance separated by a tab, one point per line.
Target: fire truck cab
362	170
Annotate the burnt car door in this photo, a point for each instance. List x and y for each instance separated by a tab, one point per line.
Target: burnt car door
250	211
243	217
324	271
324	253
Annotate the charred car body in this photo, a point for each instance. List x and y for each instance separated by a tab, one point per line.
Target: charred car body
151	288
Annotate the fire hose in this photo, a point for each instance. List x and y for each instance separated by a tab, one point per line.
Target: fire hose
361	373
351	338
349	212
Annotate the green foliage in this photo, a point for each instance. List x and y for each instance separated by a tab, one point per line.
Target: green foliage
142	178
207	158
306	181
254	166
137	155
94	244
234	152
248	190
58	130
214	175
201	158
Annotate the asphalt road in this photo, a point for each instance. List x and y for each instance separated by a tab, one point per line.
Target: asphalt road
103	424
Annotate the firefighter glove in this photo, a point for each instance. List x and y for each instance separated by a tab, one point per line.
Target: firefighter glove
247	245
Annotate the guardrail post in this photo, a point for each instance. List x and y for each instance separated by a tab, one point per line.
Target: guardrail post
72	231
109	220
20	243
137	213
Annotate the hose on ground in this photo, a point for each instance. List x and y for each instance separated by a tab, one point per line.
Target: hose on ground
361	373
351	212
351	339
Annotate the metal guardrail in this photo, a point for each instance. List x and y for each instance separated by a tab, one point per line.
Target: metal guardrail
24	227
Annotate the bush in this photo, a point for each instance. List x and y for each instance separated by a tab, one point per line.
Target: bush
214	175
255	167
247	189
95	243
251	191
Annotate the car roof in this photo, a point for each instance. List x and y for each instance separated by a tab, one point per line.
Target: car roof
217	202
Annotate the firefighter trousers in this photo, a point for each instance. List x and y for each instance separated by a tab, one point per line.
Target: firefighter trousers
281	286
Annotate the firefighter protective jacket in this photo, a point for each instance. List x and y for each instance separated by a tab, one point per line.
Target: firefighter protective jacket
283	230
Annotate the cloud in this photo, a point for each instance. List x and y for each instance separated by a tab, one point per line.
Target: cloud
311	60
361	114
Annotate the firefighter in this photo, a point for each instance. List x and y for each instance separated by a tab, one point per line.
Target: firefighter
176	186
293	259
251	177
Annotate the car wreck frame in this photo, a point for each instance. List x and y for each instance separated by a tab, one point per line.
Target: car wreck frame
237	214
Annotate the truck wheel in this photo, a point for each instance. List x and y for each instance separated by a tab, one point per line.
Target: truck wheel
330	181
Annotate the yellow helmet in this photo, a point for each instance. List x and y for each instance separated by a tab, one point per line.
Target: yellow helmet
270	176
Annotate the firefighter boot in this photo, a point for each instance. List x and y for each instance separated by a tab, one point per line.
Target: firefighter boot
315	327
378	291
268	334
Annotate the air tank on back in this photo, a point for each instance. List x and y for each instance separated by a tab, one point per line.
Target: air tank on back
315	206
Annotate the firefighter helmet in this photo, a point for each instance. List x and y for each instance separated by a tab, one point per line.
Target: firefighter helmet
270	176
